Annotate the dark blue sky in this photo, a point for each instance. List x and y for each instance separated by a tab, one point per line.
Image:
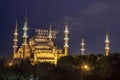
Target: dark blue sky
88	16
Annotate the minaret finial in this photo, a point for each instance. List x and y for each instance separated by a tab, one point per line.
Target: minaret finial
15	40
107	48
107	29
66	20
66	38
83	45
82	35
25	15
16	26
50	32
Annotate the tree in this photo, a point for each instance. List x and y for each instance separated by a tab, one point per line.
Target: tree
41	69
61	73
66	61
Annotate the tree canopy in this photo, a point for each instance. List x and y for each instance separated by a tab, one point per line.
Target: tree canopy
83	67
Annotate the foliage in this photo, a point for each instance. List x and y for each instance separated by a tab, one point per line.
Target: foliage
68	68
41	69
60	73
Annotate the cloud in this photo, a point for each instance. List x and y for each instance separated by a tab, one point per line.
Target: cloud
94	18
101	9
95	8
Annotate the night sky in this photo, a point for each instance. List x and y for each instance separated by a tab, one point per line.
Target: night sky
85	16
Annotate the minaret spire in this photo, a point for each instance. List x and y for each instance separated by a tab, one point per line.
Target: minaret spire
83	45
25	28
25	36
66	38
107	48
15	40
50	33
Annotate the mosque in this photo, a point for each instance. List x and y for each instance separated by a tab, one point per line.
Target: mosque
41	47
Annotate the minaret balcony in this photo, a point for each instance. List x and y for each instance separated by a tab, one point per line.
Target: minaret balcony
66	45
25	36
66	39
107	47
82	44
25	28
15	46
16	34
82	49
107	41
15	40
66	31
24	44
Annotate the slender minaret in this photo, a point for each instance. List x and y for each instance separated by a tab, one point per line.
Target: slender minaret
15	40
83	45
25	36
107	48
50	33
66	46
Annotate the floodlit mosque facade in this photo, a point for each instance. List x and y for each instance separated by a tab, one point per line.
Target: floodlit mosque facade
41	48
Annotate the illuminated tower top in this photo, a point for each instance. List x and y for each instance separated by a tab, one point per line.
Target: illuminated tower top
50	33
66	38
83	45
16	32
15	40
107	48
25	29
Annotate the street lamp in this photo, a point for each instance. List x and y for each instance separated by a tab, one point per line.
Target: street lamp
85	67
10	64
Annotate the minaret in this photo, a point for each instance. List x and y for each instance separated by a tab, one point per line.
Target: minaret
25	36
66	46
83	45
15	40
107	48
50	33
